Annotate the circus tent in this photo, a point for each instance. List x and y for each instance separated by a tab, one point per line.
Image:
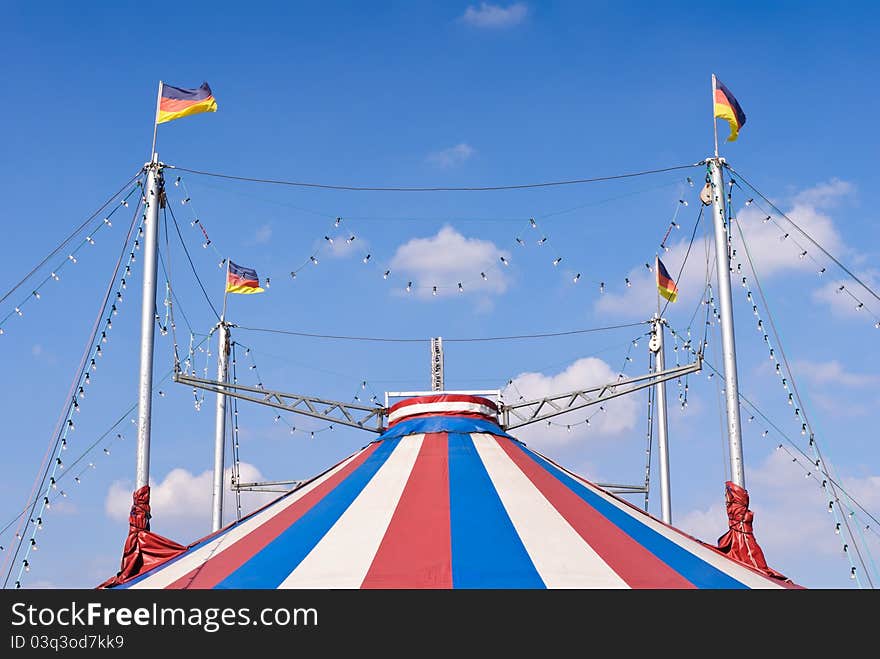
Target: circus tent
445	498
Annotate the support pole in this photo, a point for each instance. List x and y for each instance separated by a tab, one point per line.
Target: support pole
154	193
220	430
728	347
655	345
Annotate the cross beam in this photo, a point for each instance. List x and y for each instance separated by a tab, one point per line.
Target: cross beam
346	414
516	415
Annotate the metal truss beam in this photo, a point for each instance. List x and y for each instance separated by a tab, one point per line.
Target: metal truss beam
522	413
345	414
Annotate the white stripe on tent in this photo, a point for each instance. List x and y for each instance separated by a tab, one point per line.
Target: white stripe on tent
436	408
560	554
343	556
164	576
729	566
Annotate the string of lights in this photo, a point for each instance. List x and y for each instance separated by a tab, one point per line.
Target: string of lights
88	365
803	253
334	235
806	235
70	237
105	441
55	274
783	368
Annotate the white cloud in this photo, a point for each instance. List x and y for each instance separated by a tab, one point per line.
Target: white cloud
495	16
619	413
791	524
832	372
448	258
181	503
769	249
825	194
454	155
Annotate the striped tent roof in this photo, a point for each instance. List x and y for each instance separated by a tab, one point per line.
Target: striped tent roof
446	499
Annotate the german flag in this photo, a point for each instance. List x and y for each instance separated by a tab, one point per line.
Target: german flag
242	280
175	102
665	286
727	108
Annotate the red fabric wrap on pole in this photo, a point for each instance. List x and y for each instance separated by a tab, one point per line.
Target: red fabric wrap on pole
739	541
143	549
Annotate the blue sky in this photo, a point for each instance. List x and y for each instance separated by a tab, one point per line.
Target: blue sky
444	95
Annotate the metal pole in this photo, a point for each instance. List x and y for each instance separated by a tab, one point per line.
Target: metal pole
731	387
220	430
148	319
655	345
714	118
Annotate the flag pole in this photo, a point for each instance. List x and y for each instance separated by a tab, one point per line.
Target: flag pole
156	121
225	291
714	118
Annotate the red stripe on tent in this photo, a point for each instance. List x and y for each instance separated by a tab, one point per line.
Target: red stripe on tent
638	567
443	398
221	565
416	551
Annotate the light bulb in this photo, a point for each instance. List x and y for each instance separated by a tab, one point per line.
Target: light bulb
460	289
338	220
328	239
366	258
520	241
557	260
542	241
504	261
90	240
408	286
576	278
55	276
602	287
350	240
483	275
313	260
72	258
27	567
532	222
628	283
385	274
434	290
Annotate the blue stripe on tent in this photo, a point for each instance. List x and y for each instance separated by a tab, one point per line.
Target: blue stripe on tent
691	567
443	424
486	549
272	565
